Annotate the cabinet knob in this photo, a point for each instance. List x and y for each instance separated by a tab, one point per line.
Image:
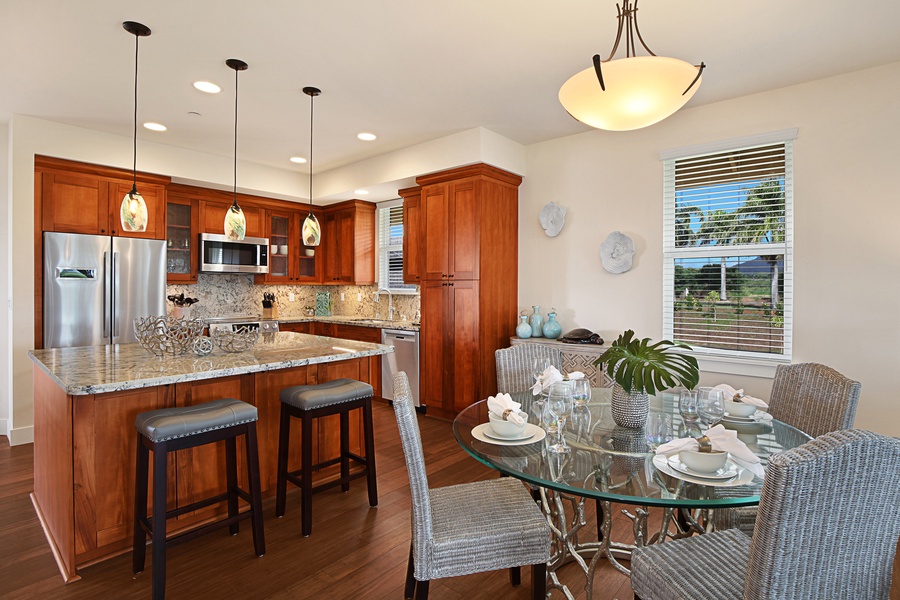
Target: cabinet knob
102	231
450	275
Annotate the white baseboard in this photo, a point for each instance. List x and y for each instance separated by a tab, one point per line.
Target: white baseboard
22	435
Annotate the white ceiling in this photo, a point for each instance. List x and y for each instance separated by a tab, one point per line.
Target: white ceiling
408	70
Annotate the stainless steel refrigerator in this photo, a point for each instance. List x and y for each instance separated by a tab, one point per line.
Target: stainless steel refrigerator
95	286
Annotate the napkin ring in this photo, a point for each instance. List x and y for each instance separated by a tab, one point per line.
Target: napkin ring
705	445
506	414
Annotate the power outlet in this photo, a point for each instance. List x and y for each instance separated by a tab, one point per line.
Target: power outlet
359	296
291	297
342	296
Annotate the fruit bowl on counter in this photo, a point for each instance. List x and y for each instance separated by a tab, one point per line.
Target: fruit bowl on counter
167	335
242	338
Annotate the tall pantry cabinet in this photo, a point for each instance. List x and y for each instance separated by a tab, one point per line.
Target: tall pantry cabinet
468	238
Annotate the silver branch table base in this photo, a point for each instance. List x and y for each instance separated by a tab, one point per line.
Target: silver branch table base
566	516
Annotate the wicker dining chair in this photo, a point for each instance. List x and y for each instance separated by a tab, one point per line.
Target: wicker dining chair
467	528
815	399
515	365
828	527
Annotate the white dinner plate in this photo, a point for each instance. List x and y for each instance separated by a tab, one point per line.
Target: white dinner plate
727	472
757	417
527	434
532	434
743	477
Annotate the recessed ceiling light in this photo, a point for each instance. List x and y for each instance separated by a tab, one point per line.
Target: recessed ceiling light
208	87
361	192
368	137
155	126
298	159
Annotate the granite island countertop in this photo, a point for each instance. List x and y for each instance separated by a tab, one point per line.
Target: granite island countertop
351	320
98	369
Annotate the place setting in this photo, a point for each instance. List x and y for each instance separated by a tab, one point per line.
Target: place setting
717	458
507	424
741	408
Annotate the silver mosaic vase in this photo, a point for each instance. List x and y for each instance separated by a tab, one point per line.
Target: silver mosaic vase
629	409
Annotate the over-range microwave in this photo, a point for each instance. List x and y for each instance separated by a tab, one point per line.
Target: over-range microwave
218	254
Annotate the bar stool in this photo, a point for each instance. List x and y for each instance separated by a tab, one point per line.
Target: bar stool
170	429
308	402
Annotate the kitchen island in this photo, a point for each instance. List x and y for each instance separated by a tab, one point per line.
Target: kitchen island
85	403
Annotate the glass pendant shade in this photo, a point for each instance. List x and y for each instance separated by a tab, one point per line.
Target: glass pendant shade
133	212
235	223
311	232
640	91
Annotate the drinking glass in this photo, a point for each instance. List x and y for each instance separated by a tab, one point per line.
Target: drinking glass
559	407
710	405
581	420
557	457
538	366
581	392
687	406
658	429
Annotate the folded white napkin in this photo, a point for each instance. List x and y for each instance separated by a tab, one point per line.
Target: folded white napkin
724	440
501	403
730	393
575	375
550	376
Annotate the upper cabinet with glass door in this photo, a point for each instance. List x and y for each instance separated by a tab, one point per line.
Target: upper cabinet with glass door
289	260
181	240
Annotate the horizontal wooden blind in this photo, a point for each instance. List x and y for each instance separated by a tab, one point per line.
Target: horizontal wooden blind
728	268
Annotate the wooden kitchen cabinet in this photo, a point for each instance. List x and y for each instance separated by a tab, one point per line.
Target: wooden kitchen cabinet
469	231
304	327
296	265
181	239
450	372
212	216
413	251
348	237
82	198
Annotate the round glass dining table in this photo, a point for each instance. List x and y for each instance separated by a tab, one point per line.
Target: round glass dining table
615	464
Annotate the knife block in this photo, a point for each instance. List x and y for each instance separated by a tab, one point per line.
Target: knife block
270	313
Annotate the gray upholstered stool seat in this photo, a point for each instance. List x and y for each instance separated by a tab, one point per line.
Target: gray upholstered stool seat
309	402
171	429
307	397
170	423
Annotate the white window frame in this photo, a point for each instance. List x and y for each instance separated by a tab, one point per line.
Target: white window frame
382	238
719	360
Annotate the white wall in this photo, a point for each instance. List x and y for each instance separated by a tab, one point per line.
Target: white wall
847	255
5	341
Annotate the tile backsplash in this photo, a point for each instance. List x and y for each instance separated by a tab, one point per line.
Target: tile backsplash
236	295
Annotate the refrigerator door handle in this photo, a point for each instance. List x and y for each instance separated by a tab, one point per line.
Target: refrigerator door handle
107	292
115	299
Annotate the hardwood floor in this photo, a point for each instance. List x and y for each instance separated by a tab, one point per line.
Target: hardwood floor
354	552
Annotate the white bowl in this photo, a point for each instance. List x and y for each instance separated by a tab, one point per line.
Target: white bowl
283	249
739	409
703	462
507	429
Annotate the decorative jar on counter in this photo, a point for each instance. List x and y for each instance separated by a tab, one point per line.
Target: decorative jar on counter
523	329
537	321
552	329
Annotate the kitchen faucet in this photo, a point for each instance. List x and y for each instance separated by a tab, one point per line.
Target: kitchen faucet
390	301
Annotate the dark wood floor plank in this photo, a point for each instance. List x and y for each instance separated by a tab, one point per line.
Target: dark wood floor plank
354	551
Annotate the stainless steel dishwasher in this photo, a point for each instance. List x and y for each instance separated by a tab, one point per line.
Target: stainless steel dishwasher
405	357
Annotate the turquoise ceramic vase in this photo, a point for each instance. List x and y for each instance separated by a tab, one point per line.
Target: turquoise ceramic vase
523	329
552	329
537	322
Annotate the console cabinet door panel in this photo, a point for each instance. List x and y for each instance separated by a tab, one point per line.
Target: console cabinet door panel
462	330
412	239
432	372
74	203
463	231
435	203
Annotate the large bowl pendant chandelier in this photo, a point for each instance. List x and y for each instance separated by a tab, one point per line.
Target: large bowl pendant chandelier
631	92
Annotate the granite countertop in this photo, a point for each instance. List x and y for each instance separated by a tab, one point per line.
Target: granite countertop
99	369
351	320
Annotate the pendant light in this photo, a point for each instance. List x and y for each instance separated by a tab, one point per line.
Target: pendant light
133	212
631	92
311	233
235	223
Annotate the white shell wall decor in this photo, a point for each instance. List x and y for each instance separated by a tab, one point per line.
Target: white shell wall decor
553	217
617	252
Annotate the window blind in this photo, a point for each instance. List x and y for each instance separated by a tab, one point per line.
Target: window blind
728	258
390	246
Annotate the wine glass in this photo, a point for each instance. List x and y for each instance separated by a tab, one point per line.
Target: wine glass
559	406
658	429
711	405
538	366
687	406
581	392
